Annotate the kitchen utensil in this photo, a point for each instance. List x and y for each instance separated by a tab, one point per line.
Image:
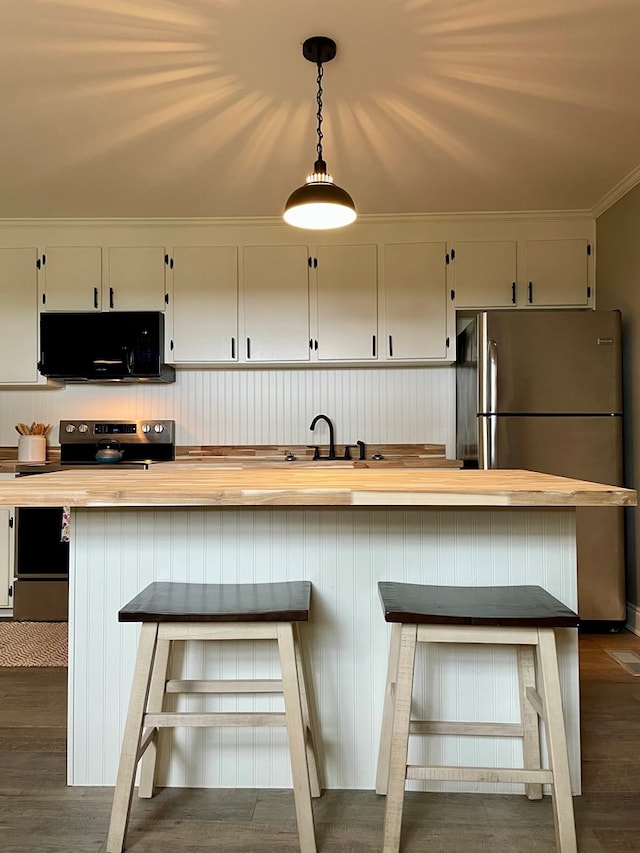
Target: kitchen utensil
34	429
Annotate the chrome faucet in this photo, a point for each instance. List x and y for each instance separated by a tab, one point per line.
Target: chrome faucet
332	447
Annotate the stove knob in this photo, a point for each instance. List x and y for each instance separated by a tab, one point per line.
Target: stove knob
83	428
70	428
158	428
146	428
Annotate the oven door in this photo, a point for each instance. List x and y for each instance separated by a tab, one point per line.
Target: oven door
41	587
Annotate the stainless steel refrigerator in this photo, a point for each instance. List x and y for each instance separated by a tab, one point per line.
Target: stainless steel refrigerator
542	390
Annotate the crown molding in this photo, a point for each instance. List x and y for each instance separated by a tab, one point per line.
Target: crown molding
617	192
276	221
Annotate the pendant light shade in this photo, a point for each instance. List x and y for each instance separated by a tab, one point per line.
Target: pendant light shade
319	203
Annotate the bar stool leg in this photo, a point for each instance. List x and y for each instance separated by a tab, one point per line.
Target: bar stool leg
131	739
297	739
557	743
529	717
387	713
154	705
399	740
315	760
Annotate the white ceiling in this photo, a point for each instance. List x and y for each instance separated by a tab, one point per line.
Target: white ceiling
190	108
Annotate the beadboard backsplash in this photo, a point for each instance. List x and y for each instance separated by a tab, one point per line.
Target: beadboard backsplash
376	405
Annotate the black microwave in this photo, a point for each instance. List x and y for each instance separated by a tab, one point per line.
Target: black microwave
110	346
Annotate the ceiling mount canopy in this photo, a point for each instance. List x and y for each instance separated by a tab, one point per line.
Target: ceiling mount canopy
319	203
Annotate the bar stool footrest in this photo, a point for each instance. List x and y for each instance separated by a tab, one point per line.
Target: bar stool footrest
457	773
189	719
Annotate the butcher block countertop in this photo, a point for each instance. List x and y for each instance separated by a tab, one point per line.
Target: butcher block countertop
176	484
279	455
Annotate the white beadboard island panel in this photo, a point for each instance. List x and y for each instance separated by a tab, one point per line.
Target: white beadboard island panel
344	552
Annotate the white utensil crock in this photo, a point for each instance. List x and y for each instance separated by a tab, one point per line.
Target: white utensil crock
32	448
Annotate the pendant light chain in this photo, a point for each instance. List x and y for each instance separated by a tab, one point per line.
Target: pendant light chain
319	113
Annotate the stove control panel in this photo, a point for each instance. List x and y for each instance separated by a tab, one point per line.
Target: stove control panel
129	432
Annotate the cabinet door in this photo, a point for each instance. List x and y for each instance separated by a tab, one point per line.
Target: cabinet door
275	285
5	557
557	272
19	317
6	550
484	274
136	280
72	278
205	303
347	303
415	300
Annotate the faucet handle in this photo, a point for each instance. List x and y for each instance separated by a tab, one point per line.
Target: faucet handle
316	451
347	451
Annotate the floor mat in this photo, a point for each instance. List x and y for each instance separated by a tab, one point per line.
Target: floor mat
33	644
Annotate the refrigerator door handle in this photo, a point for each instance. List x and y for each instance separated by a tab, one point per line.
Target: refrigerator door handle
487	441
493	377
493	442
490	423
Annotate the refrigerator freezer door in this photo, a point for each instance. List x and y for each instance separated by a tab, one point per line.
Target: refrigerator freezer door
550	362
588	449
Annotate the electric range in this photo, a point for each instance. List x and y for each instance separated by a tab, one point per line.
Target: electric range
121	443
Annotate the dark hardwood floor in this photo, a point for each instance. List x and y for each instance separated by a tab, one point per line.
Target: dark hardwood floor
39	814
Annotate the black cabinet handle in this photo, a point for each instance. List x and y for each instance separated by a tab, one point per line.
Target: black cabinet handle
110	297
233	347
248	347
513	292
530	289
391	346
373	345
95	297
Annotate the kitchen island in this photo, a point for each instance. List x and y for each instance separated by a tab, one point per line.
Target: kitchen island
344	530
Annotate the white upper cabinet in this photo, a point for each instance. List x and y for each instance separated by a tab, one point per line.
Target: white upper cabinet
557	272
347	303
275	299
415	300
72	278
204	304
19	317
135	279
484	274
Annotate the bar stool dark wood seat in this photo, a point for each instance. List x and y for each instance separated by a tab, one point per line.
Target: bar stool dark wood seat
172	612
521	616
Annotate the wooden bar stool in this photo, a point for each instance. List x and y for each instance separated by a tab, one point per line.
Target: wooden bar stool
172	612
522	616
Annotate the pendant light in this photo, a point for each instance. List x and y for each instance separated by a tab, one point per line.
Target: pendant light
319	203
